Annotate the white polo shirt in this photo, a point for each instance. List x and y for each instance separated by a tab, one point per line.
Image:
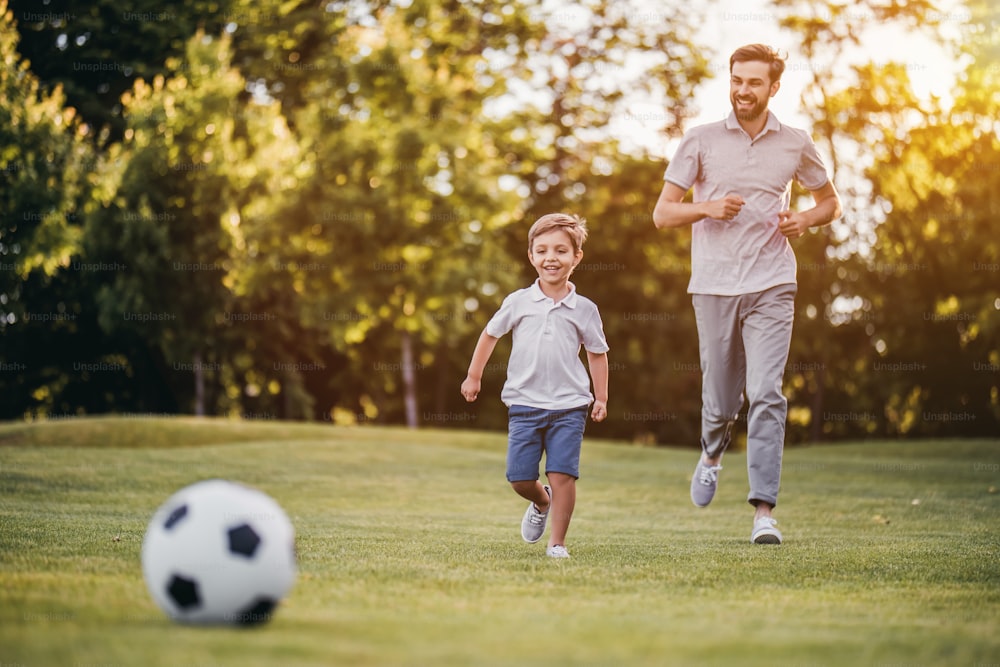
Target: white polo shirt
747	254
545	369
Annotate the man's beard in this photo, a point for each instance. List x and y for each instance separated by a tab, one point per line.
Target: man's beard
751	114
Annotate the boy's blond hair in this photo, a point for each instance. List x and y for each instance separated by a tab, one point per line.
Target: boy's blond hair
574	225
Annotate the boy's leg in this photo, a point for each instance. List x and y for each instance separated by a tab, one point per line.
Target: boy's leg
534	491
563	503
525	443
563	441
767	334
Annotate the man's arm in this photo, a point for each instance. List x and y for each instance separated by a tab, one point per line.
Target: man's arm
672	211
827	209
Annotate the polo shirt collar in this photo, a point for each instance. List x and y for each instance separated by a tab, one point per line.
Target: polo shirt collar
538	295
772	124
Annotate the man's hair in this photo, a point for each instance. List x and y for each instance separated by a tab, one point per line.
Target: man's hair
574	225
760	53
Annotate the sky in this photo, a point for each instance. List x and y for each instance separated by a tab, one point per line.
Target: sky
728	24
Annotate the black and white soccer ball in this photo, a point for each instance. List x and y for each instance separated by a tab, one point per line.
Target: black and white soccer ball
217	552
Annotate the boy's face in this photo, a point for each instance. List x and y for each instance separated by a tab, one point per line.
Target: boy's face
553	257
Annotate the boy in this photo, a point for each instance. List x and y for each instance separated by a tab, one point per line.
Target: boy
547	390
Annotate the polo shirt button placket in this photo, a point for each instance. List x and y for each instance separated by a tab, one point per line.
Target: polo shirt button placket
547	328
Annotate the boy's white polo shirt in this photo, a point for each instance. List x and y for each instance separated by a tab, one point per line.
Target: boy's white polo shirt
545	369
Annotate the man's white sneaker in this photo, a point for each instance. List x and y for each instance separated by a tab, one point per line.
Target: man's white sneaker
764	531
704	481
557	551
533	523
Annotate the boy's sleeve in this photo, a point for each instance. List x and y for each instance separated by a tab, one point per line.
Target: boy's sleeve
593	334
503	320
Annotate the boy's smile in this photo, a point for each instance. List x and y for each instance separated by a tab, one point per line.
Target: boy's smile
554	259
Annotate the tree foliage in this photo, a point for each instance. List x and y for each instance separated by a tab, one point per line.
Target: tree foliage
46	190
902	339
95	49
309	210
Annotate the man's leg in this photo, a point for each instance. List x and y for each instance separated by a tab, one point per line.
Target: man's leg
722	379
723	370
767	335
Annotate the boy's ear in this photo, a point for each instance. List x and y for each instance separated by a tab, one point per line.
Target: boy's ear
579	256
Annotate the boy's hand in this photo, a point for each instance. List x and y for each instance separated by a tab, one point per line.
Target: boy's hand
470	389
599	411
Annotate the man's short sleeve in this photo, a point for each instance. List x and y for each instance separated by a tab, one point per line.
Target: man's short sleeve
685	167
811	172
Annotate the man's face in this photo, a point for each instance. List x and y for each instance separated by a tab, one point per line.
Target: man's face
749	89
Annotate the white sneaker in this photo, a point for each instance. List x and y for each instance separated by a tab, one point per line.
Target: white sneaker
704	482
533	523
557	551
764	531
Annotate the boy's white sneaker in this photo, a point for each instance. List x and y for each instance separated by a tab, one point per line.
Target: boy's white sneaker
557	551
533	523
764	531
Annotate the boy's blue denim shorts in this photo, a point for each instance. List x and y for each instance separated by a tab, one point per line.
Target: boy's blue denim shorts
532	431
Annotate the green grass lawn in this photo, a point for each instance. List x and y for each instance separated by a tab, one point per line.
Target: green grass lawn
410	552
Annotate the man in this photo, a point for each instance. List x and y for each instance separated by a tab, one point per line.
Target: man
743	269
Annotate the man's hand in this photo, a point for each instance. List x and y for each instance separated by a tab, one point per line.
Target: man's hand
726	208
792	224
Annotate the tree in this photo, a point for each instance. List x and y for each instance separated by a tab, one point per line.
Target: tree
191	160
46	184
399	203
936	343
910	320
96	49
593	67
414	149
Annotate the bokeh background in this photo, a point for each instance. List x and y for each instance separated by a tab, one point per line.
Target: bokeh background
309	210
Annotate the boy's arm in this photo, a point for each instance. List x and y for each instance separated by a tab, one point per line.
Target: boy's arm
473	380
599	376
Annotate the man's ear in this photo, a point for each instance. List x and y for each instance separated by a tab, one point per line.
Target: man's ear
774	87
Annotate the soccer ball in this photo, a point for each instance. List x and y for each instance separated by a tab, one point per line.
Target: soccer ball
217	552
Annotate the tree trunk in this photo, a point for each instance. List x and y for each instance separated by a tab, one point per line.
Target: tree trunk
816	423
409	380
445	378
199	385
